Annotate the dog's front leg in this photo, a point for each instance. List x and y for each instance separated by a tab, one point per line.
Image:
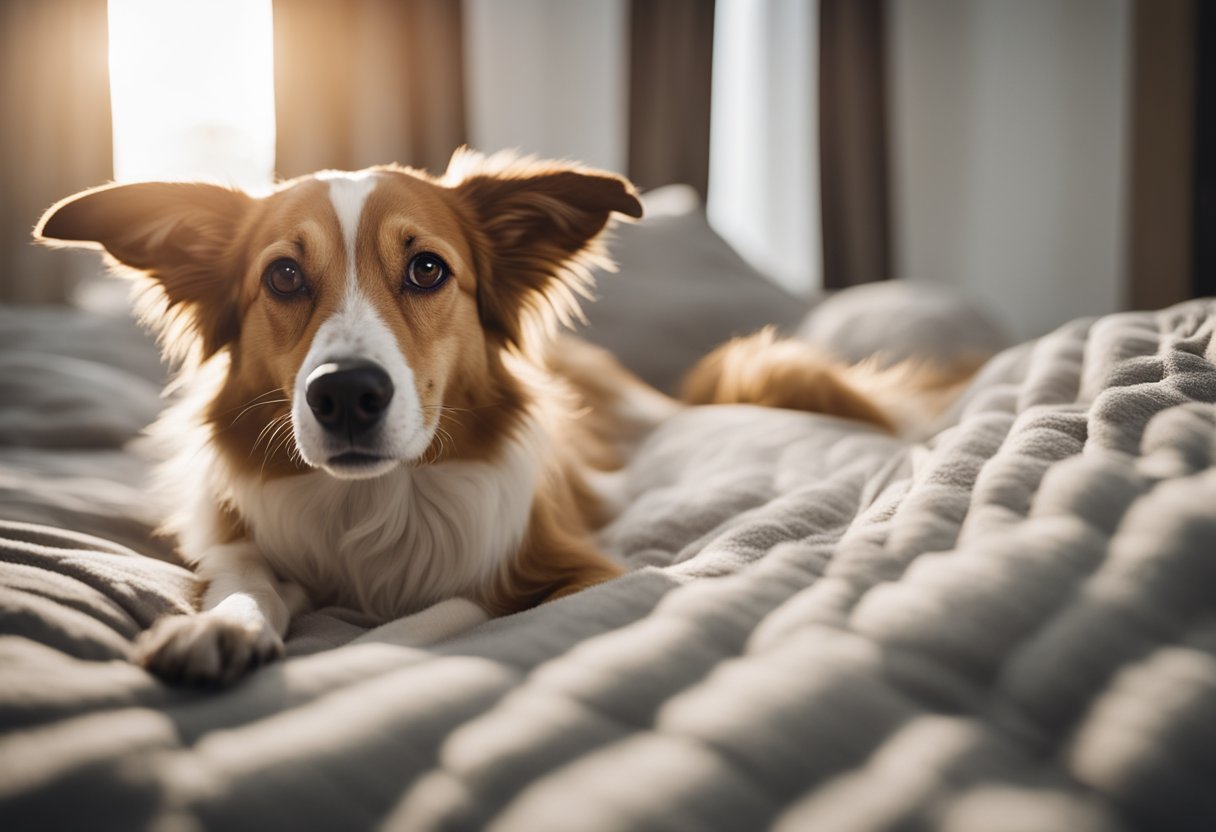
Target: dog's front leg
244	617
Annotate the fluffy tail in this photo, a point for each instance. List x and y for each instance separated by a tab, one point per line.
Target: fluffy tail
763	369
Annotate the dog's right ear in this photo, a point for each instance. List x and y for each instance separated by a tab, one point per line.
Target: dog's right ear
181	236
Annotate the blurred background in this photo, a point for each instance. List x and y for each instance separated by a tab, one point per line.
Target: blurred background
1045	159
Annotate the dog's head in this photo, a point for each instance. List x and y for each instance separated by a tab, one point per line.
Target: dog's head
361	309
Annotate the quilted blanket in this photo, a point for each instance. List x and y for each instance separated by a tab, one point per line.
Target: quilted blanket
1009	626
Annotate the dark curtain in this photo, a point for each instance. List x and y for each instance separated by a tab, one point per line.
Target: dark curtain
363	82
55	111
670	63
853	142
1161	153
1204	277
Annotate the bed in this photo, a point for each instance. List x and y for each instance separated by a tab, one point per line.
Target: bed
1010	625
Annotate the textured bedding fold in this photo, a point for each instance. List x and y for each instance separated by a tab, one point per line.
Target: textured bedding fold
1009	626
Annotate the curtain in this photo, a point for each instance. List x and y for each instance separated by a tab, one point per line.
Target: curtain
853	142
1162	159
366	82
1204	265
55	108
670	61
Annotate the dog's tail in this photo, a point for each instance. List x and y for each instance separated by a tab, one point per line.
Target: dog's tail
767	370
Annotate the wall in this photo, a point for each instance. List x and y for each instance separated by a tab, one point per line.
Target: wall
549	77
1009	146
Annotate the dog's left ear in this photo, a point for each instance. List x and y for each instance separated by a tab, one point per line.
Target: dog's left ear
541	223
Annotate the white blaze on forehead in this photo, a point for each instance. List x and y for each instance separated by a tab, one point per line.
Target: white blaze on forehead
348	192
356	329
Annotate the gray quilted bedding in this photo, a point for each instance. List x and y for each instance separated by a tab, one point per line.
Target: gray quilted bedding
1011	626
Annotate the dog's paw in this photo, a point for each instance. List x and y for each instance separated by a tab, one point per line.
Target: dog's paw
206	649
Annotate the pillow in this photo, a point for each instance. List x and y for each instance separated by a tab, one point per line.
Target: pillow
896	320
680	292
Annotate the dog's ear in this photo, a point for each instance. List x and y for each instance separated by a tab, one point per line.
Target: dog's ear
540	224
181	237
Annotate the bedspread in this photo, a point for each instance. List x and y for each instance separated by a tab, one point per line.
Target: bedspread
1009	626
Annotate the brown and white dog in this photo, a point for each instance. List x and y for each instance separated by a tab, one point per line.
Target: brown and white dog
370	416
374	411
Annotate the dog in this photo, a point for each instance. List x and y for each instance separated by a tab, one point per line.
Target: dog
374	412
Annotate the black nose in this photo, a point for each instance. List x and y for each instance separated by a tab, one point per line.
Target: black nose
348	397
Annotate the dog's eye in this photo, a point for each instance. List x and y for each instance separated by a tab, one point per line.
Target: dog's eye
426	271
284	277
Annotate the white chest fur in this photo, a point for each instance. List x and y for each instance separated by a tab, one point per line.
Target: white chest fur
395	544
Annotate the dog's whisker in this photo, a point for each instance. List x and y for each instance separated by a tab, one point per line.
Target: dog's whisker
272	426
255	398
280	434
450	412
255	401
444	439
449	409
254	405
282	439
437	449
275	435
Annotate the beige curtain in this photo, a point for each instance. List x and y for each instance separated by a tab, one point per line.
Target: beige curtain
366	82
55	108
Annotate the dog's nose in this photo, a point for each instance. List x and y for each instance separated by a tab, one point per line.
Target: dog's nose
348	397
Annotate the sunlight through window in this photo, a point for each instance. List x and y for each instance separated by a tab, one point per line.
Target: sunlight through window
192	90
